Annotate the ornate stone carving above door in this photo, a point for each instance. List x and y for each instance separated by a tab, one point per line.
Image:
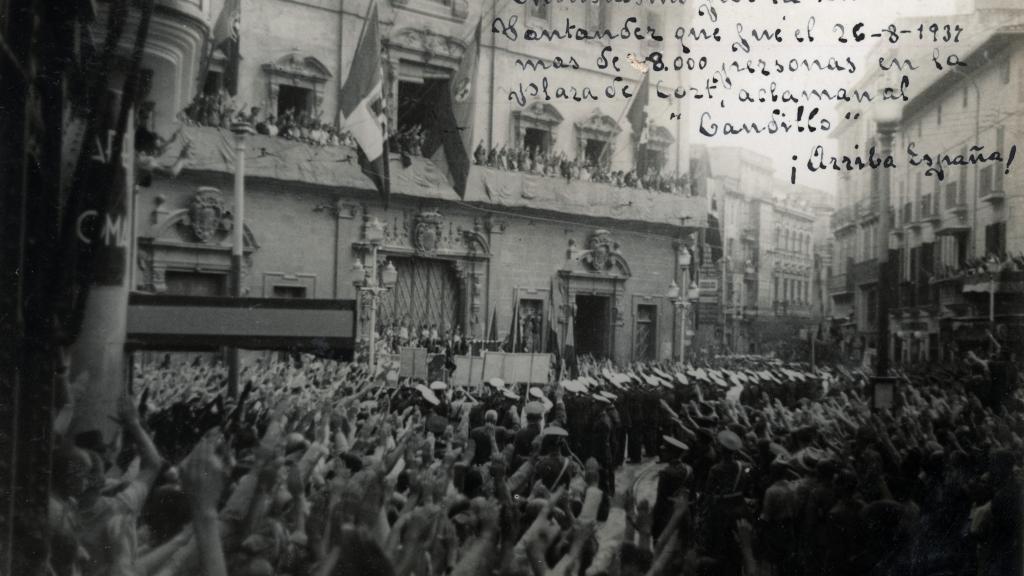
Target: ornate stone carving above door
602	257
300	70
196	238
428	233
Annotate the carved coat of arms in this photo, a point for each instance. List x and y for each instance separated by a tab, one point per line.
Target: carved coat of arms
600	251
206	214
427	234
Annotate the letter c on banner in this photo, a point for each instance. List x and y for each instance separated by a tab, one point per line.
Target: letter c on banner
81	223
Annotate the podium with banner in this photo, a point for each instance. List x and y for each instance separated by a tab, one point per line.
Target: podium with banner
473	371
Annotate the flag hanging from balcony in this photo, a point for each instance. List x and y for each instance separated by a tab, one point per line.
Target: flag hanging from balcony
362	106
639	120
453	121
226	38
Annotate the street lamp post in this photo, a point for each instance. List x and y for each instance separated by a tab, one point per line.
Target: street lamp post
241	131
993	267
887	117
683	301
373	286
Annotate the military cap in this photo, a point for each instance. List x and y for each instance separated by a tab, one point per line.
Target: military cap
534	408
675	443
729	440
554	431
428	394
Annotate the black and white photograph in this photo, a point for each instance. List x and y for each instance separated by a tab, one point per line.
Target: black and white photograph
511	288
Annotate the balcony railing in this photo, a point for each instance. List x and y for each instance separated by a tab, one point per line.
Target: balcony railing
843	218
791	308
865	272
840	284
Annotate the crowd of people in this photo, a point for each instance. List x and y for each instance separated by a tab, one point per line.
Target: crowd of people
220	110
534	160
762	468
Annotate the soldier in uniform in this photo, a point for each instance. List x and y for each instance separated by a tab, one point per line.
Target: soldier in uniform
554	468
671	481
617	446
577	409
525	437
724	506
649	427
601	444
633	408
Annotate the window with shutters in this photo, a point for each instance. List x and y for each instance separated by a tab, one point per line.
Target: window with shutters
870	306
926	265
195	283
951	195
962	188
986	181
995	239
597	15
296	292
653	23
997	177
645	347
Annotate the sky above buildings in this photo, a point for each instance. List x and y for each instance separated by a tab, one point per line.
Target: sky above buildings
874	14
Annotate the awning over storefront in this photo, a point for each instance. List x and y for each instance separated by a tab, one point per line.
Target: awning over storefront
1002	283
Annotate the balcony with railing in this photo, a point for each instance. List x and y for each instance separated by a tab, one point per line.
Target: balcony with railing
840	285
907	217
865	272
991	185
332	167
867	210
930	210
843	218
791	308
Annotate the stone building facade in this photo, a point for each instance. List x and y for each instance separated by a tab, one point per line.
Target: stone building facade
768	231
951	242
532	256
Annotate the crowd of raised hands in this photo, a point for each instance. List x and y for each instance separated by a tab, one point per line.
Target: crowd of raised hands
317	469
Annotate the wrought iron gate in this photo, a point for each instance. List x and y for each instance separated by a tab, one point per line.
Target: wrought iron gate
427	293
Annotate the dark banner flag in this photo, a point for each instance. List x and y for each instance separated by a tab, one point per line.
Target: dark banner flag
362	106
227	37
453	121
638	122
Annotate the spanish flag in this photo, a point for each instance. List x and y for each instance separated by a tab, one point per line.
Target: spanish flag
362	106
